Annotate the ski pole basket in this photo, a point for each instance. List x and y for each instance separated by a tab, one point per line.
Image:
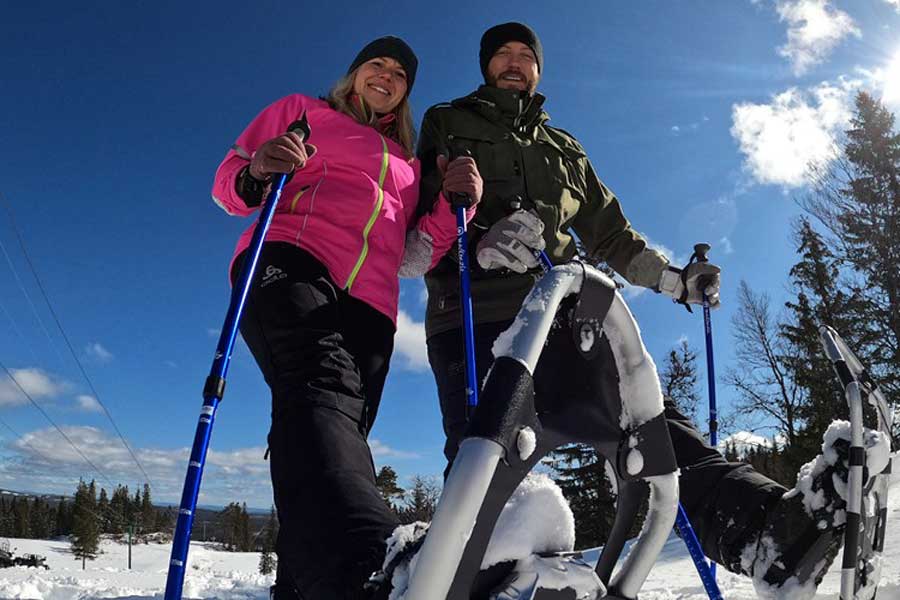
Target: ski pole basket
629	431
866	500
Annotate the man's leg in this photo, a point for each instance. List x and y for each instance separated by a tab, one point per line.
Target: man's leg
726	502
446	354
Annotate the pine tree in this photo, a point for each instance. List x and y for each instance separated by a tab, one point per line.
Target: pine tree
6	528
245	539
63	519
580	472
267	561
21	519
823	297
386	482
421	500
85	523
103	511
39	521
135	511
859	203
148	513
119	510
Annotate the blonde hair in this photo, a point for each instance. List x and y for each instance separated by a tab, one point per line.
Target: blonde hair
402	131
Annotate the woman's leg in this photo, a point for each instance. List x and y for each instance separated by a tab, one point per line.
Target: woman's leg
329	510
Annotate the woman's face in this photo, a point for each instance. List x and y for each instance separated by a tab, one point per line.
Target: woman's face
382	83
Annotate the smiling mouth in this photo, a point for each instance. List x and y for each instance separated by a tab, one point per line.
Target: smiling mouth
515	77
381	90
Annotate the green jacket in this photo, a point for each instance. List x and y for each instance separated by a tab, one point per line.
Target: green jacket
523	161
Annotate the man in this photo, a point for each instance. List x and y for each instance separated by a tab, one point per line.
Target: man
539	185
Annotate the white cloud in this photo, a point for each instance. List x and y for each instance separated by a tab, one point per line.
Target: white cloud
97	352
796	130
409	343
884	82
88	403
43	460
895	4
35	382
814	29
382	450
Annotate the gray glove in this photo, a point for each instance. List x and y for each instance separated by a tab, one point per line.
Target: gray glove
511	243
701	278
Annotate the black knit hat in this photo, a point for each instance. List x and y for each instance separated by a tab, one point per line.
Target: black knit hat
392	47
498	35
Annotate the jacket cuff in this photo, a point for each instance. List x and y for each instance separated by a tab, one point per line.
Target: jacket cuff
647	269
250	189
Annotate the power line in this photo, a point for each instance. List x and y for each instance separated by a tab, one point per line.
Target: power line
26	442
69	344
52	422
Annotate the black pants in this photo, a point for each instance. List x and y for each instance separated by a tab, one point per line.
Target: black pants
325	356
726	502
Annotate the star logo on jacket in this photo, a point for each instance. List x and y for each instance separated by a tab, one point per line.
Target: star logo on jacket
272	275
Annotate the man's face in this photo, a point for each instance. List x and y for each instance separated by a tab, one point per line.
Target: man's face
513	67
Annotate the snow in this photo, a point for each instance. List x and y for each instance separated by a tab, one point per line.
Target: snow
526	443
213	574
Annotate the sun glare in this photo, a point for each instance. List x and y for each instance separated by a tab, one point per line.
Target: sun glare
891	81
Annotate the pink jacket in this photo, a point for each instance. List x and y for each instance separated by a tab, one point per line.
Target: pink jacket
352	206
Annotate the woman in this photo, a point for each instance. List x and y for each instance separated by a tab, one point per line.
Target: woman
320	317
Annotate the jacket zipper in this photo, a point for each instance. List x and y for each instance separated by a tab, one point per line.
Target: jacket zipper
378	203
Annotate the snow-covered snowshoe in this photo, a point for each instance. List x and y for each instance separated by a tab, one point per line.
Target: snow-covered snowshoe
870	465
507	437
805	530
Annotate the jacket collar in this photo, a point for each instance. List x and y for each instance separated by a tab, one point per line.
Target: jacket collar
517	110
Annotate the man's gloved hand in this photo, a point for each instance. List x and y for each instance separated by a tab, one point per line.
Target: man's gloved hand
510	243
281	154
689	286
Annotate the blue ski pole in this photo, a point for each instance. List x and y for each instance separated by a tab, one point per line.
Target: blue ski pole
460	202
706	570
707	576
214	388
701	251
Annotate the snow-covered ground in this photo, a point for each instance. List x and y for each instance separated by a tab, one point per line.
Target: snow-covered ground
234	576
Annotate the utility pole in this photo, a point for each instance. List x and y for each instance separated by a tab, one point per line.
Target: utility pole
130	529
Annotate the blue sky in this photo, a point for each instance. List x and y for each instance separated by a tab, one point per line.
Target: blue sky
701	116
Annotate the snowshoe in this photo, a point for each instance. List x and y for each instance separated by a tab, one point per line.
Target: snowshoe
506	437
870	463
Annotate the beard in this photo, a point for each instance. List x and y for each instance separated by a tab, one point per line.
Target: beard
530	86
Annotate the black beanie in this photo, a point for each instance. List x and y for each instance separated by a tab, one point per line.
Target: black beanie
392	47
498	35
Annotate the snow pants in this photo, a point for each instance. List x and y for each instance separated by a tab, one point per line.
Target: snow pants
325	356
726	502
